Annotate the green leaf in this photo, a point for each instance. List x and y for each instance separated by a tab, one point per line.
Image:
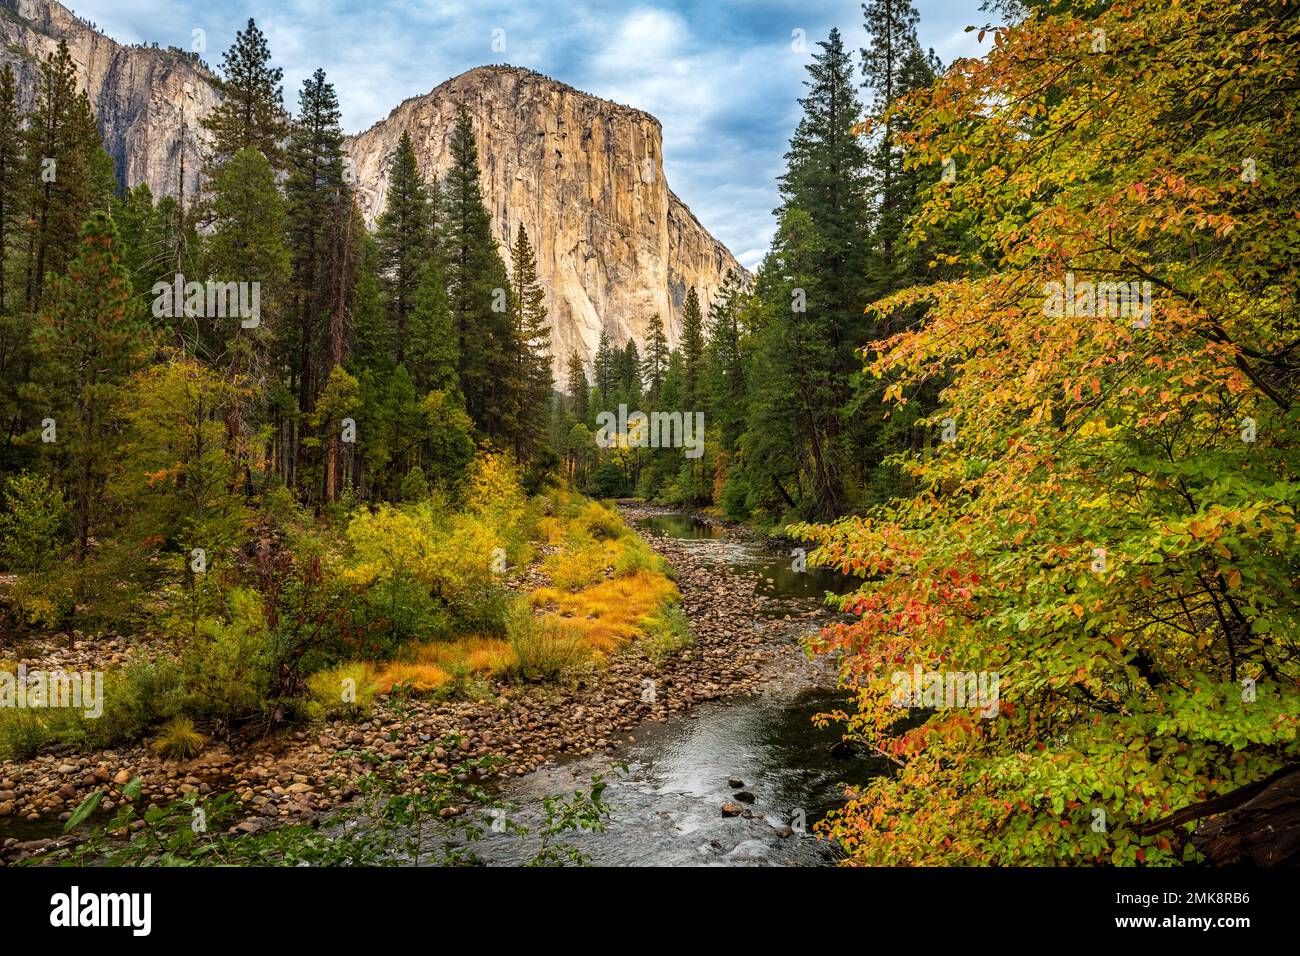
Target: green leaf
84	809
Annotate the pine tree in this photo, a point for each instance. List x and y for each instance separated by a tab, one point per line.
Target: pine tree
604	365
315	194
655	363
893	65
11	172
476	283
629	372
405	236
62	139
692	348
789	445
145	248
90	338
252	114
532	349
247	245
15	360
826	177
724	365
576	388
434	355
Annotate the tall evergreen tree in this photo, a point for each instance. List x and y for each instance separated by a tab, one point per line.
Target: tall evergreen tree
88	340
629	372
434	353
316	195
789	440
405	236
893	65
251	115
605	366
247	245
11	174
692	347
654	366
576	388
826	177
62	140
532	375
477	285
725	381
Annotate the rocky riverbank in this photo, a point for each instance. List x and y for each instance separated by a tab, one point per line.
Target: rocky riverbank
740	643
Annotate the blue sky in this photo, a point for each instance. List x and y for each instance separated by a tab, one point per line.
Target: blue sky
721	75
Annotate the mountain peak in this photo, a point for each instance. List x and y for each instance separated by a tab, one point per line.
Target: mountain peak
584	176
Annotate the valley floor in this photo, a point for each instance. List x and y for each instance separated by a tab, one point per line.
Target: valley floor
742	640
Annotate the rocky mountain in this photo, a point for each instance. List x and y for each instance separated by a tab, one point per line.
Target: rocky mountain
584	175
138	93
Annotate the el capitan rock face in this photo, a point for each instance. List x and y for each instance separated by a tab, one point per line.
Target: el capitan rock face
136	92
585	177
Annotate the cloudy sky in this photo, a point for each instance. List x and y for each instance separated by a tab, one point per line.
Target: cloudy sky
721	75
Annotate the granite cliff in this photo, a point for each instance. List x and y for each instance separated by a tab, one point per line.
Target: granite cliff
585	176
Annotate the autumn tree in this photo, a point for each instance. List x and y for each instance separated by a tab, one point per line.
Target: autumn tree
1106	522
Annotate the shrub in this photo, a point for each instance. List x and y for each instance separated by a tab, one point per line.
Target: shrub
227	669
635	555
607	481
580	562
543	647
25	733
602	523
666	632
46	599
178	740
348	690
135	698
33	523
414	486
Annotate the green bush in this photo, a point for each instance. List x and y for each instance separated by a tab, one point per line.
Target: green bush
25	733
135	698
414	486
227	668
33	523
607	481
544	648
666	632
345	691
178	740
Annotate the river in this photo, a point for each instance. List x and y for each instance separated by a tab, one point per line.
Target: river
666	809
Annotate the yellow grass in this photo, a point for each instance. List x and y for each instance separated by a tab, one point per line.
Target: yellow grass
419	677
610	613
478	654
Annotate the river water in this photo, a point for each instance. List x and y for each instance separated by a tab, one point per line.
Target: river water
666	809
